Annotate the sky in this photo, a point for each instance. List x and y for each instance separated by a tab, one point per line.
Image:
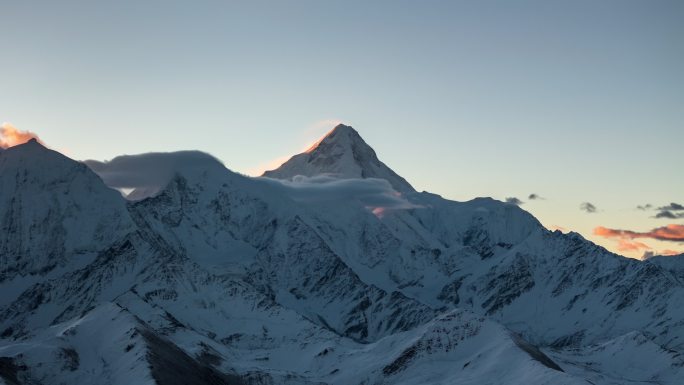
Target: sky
576	101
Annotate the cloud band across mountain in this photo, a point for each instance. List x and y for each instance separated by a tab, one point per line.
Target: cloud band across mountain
371	192
150	170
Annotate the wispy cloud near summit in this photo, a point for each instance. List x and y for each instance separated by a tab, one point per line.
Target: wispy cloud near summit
11	136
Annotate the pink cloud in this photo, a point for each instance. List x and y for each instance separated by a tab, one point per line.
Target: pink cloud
10	136
627	245
674	233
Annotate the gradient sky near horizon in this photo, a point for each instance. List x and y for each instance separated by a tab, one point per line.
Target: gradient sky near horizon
577	101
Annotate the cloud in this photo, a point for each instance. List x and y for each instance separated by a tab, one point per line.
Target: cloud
514	201
672	207
673	233
627	245
588	207
666	253
668	214
148	173
648	255
671	211
152	170
375	194
10	136
533	197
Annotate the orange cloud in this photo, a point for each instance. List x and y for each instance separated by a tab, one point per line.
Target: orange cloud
11	136
671	252
674	233
626	245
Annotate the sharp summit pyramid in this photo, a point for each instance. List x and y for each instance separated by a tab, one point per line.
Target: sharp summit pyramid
342	153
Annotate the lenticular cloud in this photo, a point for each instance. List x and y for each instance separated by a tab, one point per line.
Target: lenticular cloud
373	193
150	170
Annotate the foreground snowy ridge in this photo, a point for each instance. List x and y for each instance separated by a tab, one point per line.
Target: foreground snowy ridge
337	272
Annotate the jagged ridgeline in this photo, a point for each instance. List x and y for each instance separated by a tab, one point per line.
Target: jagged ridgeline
331	269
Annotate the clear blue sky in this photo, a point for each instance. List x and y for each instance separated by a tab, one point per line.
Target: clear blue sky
574	100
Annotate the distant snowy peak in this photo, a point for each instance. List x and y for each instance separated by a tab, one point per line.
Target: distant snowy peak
53	209
343	153
32	165
32	148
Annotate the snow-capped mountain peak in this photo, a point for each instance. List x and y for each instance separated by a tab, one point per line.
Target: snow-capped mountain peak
344	154
54	210
30	147
341	135
225	279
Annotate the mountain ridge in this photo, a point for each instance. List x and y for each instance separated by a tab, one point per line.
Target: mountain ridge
229	268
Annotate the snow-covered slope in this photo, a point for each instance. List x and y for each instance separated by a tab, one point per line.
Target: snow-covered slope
623	360
107	345
52	208
103	344
224	278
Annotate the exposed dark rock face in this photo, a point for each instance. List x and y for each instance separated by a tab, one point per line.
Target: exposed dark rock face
10	371
172	366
